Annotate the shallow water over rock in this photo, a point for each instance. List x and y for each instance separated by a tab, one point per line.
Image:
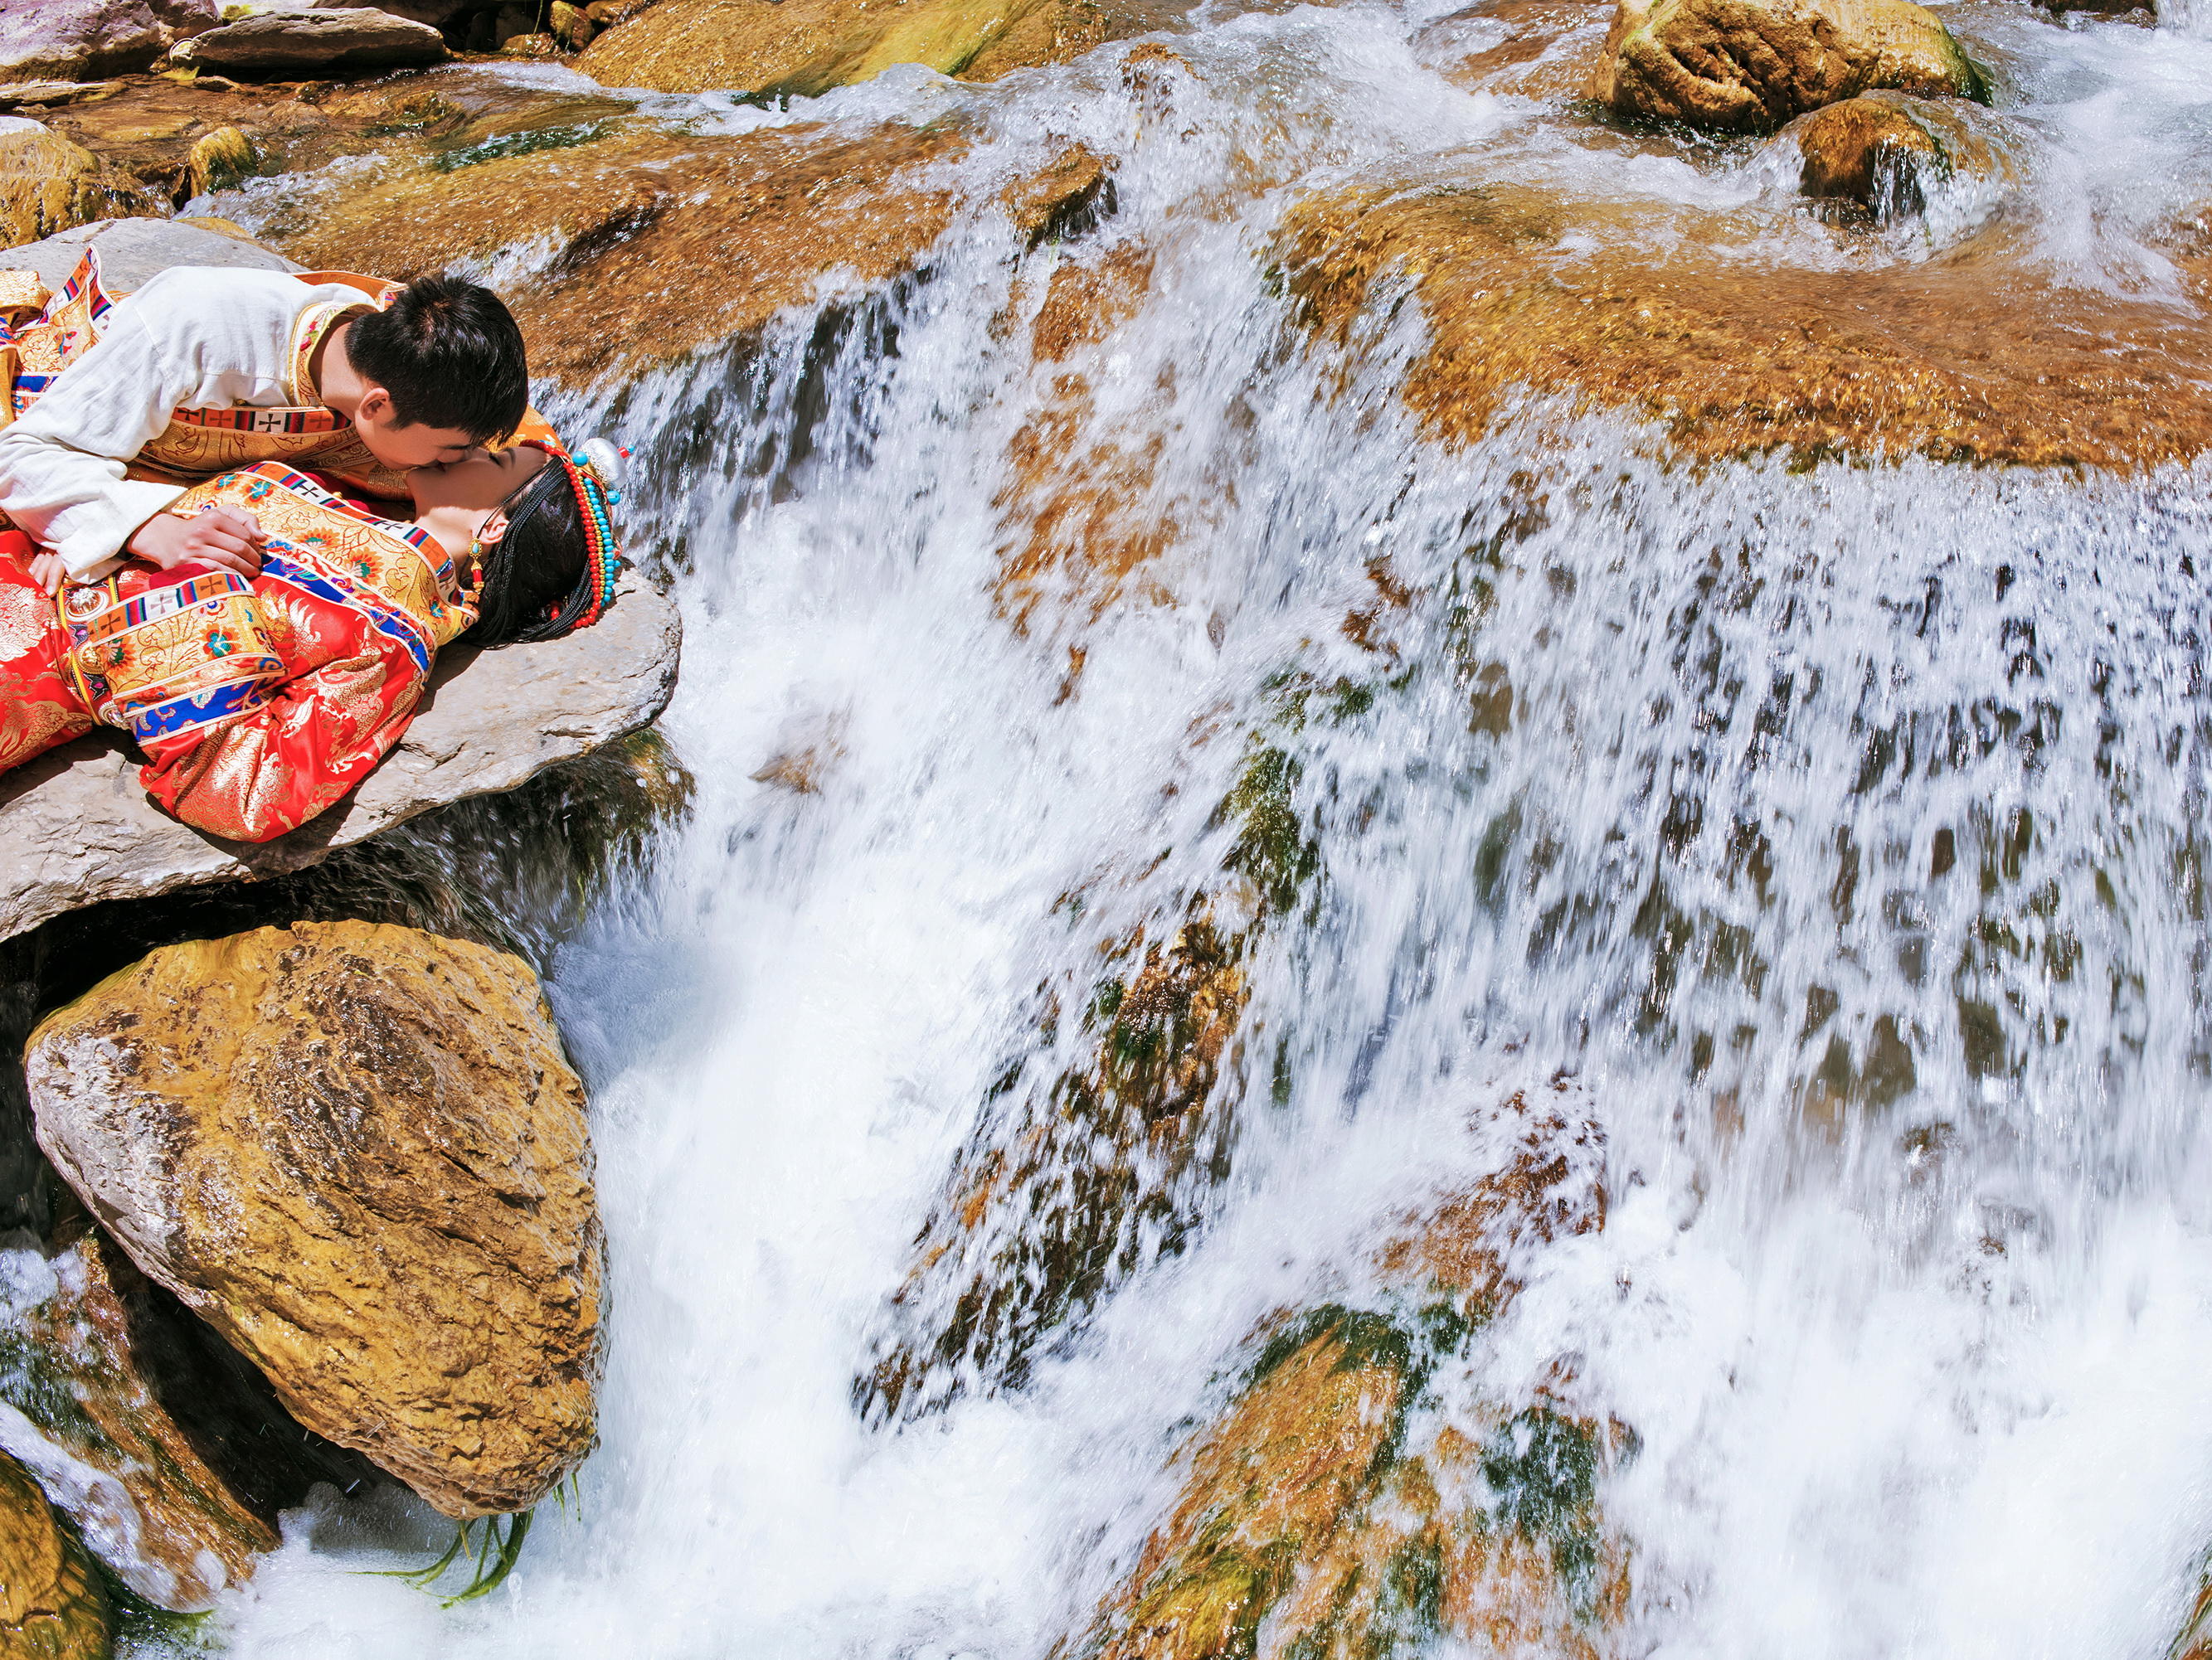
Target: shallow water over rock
1420	590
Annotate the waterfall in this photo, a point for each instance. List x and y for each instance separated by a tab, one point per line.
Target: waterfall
1834	828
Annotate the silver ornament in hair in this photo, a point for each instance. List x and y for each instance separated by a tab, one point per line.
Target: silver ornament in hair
605	463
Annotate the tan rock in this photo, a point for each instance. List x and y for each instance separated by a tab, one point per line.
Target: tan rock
48	184
1885	150
1640	305
1753	64
358	1152
51	1608
169	1452
770	213
803	48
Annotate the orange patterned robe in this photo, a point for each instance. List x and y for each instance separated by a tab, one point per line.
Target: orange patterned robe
258	705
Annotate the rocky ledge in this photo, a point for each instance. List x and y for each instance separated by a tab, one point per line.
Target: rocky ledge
80	830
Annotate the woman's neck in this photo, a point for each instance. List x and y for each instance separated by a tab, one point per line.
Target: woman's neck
455	528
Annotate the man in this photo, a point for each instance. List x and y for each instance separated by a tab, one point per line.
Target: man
204	370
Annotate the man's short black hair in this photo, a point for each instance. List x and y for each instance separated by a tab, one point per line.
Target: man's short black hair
449	353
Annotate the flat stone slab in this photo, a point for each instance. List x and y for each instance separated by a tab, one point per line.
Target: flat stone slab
132	252
76	828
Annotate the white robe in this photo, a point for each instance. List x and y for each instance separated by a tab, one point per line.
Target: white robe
192	338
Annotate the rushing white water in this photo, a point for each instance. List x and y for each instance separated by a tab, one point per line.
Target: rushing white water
1842	842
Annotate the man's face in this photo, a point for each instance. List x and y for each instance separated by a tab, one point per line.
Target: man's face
405	448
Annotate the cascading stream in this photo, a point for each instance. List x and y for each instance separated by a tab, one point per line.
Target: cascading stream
1835	826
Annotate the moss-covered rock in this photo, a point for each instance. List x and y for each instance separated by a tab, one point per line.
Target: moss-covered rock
1331	1512
177	1458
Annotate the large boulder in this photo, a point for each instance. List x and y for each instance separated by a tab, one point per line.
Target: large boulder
51	1608
85	40
353	38
167	1449
79	829
1750	65
803	48
48	184
358	1152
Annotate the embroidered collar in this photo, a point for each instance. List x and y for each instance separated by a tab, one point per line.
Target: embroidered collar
314	327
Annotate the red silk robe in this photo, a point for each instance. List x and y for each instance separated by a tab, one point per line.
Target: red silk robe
258	705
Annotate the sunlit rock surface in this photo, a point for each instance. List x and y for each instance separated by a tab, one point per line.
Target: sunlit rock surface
80	829
770	213
1329	1510
1671	313
358	1153
348	40
803	48
48	184
133	250
80	39
167	1450
1753	64
51	1608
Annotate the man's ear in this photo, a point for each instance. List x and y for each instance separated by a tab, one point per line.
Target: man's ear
375	405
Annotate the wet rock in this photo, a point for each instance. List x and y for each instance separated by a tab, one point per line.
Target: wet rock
1750	65
1317	1515
85	40
771	212
1080	1172
358	1152
48	184
1064	198
169	1453
1632	305
219	160
79	829
1885	150
803	48
354	38
51	1608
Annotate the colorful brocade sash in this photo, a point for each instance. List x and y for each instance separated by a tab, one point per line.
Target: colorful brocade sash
162	659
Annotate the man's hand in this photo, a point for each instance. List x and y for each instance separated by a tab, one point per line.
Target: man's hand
225	538
47	571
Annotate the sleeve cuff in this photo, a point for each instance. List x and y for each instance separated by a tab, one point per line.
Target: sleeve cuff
89	537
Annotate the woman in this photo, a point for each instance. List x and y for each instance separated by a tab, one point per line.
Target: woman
258	704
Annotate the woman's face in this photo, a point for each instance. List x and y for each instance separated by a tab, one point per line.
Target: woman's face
478	482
